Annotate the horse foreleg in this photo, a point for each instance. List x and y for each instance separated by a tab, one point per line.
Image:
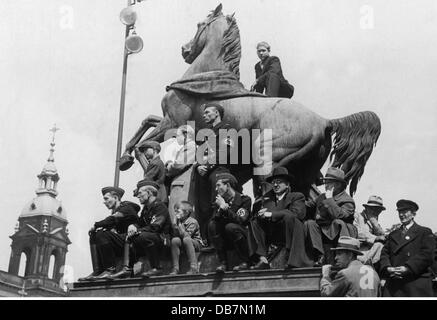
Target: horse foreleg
141	158
149	122
160	132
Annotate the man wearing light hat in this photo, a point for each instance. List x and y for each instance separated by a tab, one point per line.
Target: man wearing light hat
351	278
151	233
407	256
370	233
107	237
334	216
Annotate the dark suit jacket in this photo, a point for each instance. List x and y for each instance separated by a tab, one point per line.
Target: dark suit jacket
238	212
292	203
281	230
272	65
415	250
155	218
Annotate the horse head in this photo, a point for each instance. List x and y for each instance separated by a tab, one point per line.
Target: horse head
218	37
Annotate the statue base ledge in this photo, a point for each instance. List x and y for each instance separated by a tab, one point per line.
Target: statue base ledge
300	282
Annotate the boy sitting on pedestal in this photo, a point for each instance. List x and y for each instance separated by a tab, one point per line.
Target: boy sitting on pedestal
186	233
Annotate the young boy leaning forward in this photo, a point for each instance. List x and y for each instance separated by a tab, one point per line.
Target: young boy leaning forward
186	233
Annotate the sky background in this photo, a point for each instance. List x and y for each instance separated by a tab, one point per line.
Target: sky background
61	62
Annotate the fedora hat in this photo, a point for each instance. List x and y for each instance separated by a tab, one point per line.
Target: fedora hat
348	244
374	201
334	174
280	172
406	205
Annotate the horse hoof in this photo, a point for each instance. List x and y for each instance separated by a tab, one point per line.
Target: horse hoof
126	161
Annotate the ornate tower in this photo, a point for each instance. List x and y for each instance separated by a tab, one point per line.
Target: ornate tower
41	233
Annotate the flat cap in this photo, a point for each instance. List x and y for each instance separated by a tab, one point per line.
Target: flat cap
216	105
146	182
225	175
149	144
406	205
116	190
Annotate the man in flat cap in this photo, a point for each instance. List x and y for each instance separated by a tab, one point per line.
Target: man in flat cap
154	168
151	233
407	256
351	278
269	75
107	237
370	233
216	149
334	216
279	221
229	222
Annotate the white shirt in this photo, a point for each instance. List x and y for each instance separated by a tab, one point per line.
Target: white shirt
279	198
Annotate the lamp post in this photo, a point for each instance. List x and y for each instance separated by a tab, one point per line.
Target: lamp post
133	44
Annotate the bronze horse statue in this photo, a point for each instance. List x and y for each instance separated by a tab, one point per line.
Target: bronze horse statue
301	139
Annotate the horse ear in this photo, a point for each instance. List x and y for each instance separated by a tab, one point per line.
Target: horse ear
218	9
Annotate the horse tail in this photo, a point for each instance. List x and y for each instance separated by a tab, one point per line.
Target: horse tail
354	139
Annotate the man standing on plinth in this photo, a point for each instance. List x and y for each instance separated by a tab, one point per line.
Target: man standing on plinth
280	222
155	168
370	233
107	237
211	165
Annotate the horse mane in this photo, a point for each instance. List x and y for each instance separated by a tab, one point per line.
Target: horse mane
231	46
353	144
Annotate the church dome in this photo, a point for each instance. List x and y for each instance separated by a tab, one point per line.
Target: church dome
44	205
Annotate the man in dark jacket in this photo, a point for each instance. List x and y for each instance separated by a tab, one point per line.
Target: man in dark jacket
151	233
407	256
154	167
230	217
334	217
280	222
269	75
107	237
